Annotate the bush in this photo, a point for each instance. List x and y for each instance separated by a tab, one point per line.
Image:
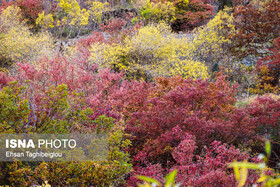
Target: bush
61	108
151	51
28	9
268	69
190	14
210	43
17	42
207	169
71	20
256	28
156	12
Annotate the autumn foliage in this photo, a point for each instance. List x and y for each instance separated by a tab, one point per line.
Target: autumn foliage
257	26
167	101
181	14
271	64
30	9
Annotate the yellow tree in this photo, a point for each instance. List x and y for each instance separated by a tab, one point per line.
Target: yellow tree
17	43
152	51
210	43
72	19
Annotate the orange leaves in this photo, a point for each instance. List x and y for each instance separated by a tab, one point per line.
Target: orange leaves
257	25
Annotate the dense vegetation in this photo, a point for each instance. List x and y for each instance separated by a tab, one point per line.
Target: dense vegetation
186	85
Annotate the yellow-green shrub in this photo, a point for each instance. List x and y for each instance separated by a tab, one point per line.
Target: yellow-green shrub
155	12
72	19
152	51
209	44
96	9
189	68
17	43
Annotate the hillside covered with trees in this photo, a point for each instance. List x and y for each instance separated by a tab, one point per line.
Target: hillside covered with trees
178	85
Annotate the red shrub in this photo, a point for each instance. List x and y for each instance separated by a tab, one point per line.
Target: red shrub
272	62
5	4
30	9
208	169
155	171
265	116
196	13
97	85
255	24
265	113
197	107
119	28
114	25
4	80
179	119
95	37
